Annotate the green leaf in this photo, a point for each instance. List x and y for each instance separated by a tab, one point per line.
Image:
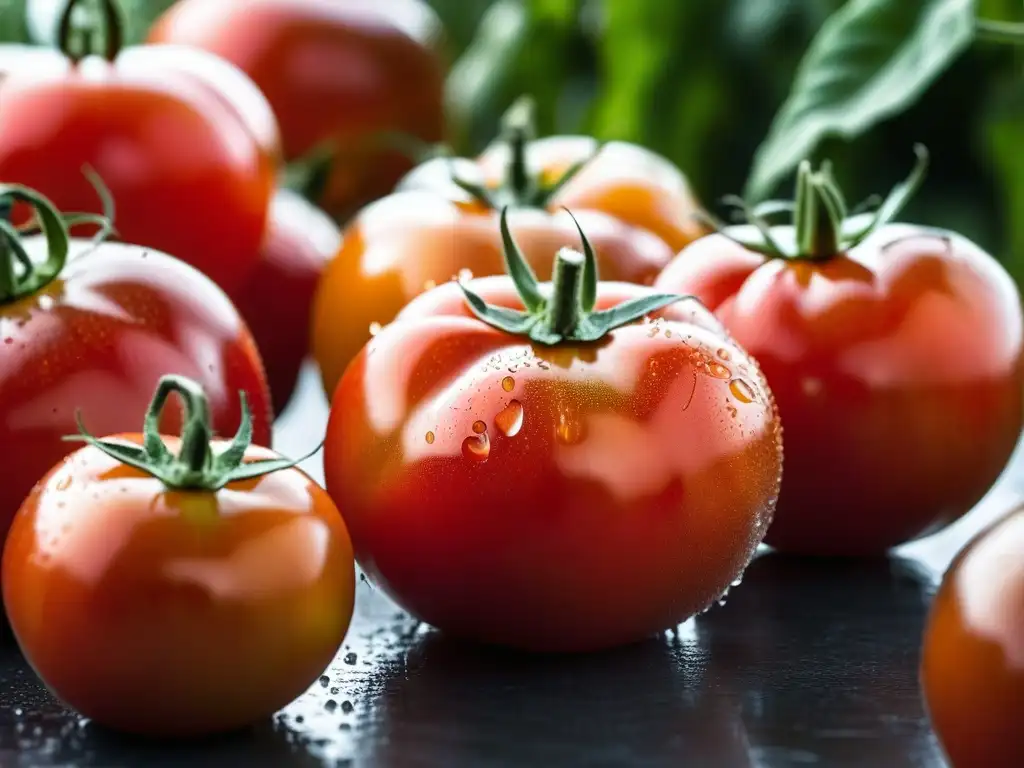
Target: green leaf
1003	137
871	60
12	22
508	320
519	270
600	323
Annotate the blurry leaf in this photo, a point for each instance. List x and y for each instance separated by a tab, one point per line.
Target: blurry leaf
1003	137
460	19
871	60
12	21
44	16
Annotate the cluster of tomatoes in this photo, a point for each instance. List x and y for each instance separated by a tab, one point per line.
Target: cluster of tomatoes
517	452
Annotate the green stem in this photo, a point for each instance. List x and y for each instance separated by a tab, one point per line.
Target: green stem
518	131
564	308
817	223
196	432
105	23
7	276
1008	32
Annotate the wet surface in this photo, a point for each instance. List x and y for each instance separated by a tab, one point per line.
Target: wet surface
807	663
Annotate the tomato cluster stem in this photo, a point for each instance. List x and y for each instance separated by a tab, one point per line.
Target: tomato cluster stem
563	308
101	33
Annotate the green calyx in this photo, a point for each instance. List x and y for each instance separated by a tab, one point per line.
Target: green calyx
19	275
196	467
91	28
823	226
567	314
520	188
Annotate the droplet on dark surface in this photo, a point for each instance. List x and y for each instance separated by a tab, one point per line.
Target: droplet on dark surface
331	705
324	681
346	707
351	658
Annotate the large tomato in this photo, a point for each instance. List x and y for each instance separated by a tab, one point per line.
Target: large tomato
95	334
185	143
895	354
339	72
276	298
178	595
635	206
561	479
972	665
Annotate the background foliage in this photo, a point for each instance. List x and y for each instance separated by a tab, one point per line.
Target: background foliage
701	81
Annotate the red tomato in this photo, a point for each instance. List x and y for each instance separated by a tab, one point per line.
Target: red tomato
97	337
195	609
884	355
972	668
340	72
276	299
565	495
185	143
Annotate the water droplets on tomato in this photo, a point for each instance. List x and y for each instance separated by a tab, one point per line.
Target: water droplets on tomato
508	383
742	391
375	328
718	370
510	421
479	427
64	483
477	447
723	354
430	438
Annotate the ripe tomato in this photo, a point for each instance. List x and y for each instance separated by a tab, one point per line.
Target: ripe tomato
560	479
885	345
185	143
277	297
203	591
338	72
972	668
96	333
635	206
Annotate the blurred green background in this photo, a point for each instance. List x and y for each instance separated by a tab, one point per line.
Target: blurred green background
700	82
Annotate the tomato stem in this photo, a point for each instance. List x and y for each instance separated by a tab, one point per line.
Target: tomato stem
818	213
194	455
86	23
564	308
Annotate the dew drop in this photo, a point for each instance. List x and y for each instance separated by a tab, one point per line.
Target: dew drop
476	447
718	370
375	328
351	658
465	274
430	438
668	334
346	707
330	705
479	427
741	391
723	354
510	420
508	383
324	681
570	429
64	483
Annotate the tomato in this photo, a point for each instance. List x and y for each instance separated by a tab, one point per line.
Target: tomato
96	333
337	72
635	206
185	143
177	595
972	666
276	299
561	479
885	345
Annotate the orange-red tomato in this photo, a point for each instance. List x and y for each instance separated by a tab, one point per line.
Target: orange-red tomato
185	143
277	297
553	498
176	613
972	668
898	367
636	208
339	72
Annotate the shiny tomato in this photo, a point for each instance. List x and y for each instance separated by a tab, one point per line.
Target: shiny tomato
337	72
895	354
972	668
562	479
185	143
179	595
96	334
635	206
276	299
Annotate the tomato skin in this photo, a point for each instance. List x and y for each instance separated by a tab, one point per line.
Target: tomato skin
190	170
881	361
198	612
332	71
581	461
972	668
277	297
414	240
98	339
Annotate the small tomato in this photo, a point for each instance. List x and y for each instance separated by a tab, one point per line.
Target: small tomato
885	345
178	595
562	478
635	206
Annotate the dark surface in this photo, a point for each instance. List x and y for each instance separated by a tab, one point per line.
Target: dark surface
806	663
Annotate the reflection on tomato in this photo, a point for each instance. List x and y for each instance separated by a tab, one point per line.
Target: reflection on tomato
635	206
276	299
972	669
558	496
897	364
185	143
340	72
167	609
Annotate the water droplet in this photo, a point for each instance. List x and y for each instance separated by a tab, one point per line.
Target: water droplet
510	420
465	274
430	438
330	705
718	370
351	658
19	712
324	681
570	428
64	483
300	719
479	427
334	691
723	354
741	391
375	328
668	334
476	447
508	383
346	707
